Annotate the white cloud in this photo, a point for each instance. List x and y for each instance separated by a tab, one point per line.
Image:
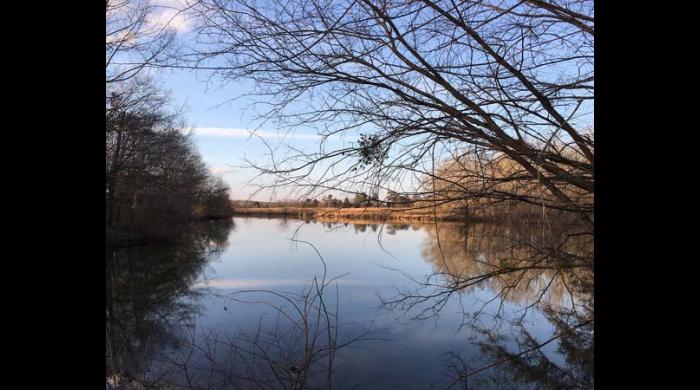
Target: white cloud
221	170
170	18
179	4
162	14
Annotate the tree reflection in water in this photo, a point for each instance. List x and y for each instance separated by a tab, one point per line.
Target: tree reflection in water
150	303
548	269
542	270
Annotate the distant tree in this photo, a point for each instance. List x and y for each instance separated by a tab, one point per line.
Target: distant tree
374	200
394	199
360	199
215	199
156	181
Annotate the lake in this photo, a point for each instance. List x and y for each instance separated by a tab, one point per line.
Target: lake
282	303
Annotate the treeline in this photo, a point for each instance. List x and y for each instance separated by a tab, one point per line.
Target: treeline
156	182
392	199
487	185
468	186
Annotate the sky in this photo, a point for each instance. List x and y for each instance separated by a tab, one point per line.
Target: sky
218	114
221	117
221	129
222	124
222	120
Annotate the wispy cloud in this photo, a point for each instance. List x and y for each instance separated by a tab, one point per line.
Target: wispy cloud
221	170
169	14
246	133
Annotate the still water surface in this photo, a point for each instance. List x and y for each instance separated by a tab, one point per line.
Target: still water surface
177	312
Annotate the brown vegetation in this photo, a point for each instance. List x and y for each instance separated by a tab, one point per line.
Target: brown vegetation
340	214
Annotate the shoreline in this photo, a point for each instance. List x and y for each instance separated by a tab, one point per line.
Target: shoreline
374	215
116	240
378	214
371	215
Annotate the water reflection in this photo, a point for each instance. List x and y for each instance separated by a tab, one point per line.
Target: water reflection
150	303
520	358
523	263
544	268
530	286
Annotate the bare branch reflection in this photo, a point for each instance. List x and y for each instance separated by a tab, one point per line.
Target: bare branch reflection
534	269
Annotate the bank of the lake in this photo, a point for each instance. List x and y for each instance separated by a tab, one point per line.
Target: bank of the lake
116	239
391	214
352	213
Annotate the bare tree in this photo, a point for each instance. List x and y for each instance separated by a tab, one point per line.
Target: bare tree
415	83
156	182
154	175
135	39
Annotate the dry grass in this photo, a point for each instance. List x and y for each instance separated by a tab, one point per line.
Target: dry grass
354	213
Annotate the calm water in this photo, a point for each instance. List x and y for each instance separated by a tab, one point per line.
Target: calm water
218	310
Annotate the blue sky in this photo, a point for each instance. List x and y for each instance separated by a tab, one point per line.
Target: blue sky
217	113
204	109
222	119
221	127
